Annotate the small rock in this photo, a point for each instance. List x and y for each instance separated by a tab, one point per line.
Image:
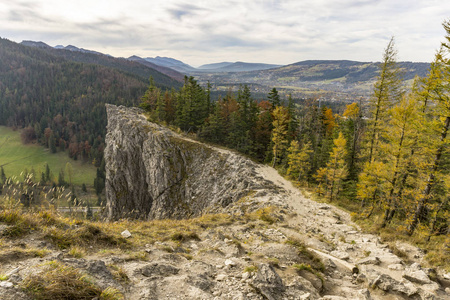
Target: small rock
306	296
369	261
361	278
447	290
126	234
396	267
432	287
246	275
447	276
221	277
324	207
229	262
268	282
6	284
219	267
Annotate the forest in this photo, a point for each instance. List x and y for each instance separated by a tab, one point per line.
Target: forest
388	159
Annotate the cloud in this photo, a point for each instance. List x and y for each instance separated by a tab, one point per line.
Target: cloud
198	32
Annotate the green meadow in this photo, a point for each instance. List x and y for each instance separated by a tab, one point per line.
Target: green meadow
15	157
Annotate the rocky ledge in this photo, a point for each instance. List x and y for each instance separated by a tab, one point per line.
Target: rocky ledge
154	173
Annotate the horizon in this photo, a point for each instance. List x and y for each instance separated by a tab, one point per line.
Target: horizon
269	31
231	61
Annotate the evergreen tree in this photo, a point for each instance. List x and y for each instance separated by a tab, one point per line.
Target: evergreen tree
274	98
2	175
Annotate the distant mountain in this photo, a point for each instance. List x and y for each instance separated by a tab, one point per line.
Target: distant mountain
332	77
171	63
76	54
215	66
35	44
243	67
165	70
344	71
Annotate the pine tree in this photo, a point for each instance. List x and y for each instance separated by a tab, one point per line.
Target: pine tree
274	98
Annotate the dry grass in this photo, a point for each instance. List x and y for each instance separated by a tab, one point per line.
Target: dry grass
57	282
305	255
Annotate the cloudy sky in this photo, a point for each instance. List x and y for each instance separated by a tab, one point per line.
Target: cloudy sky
200	31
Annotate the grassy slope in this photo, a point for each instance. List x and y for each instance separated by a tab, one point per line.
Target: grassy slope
16	157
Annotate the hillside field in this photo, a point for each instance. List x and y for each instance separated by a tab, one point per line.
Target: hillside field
15	157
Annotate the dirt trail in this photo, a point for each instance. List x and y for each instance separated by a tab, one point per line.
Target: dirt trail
330	230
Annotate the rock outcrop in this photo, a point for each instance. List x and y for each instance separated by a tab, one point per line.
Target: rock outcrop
154	173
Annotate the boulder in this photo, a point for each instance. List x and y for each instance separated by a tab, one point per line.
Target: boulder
415	274
268	283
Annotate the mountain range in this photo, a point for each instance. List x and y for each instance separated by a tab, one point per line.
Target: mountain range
303	79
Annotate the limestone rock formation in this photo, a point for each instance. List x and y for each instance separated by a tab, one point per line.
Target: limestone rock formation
154	173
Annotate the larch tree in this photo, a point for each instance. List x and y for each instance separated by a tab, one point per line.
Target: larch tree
279	132
336	169
440	94
299	160
386	92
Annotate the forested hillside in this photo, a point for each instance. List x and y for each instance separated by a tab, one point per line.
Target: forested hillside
164	77
60	103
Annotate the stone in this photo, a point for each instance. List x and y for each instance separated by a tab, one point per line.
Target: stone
340	254
230	263
221	277
306	296
447	276
126	234
159	269
447	290
199	282
369	261
387	283
268	283
6	284
416	275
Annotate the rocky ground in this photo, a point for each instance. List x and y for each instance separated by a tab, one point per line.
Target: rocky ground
274	243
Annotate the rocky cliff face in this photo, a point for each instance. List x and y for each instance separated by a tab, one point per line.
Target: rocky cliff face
152	172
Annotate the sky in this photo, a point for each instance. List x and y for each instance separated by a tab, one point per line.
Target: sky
264	31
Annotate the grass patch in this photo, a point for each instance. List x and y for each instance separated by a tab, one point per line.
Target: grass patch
58	281
251	269
119	273
77	251
306	255
111	293
18	157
